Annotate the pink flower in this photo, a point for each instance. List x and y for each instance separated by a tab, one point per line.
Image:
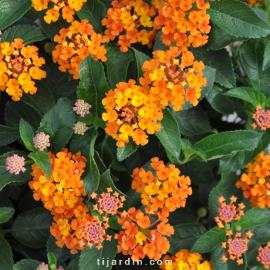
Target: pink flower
43	266
262	118
41	141
81	107
15	164
80	128
264	256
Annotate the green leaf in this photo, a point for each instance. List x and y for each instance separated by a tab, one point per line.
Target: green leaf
42	159
185	235
105	182
14	111
226	143
267	7
252	252
239	160
6	213
140	59
8	135
127	150
11	11
61	254
247	221
58	122
192	122
159	45
26	264
169	136
219	102
188	151
91	258
51	258
32	228
7	177
27	135
219	38
248	94
42	100
219	60
217	254
238	19
226	188
6	260
27	32
252	53
117	64
93	84
262	233
74	264
209	240
266	56
91	176
94	11
52	29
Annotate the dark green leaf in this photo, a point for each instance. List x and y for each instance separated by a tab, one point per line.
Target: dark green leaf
252	53
6	260
7	177
27	135
32	228
117	64
91	175
192	122
27	264
93	84
185	235
6	213
248	94
127	150
91	258
11	11
225	143
159	45
188	151
58	122
8	135
262	233
94	11
61	254
219	60
27	32
266	57
238	19
252	252
219	102
169	135
42	159
14	111
41	101
74	264
140	59
226	188
219	38
209	240
247	221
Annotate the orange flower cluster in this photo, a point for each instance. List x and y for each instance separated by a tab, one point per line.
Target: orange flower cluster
185	260
138	239
228	212
256	182
76	43
163	193
172	81
130	20
236	246
130	111
67	7
62	195
253	2
184	22
19	64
